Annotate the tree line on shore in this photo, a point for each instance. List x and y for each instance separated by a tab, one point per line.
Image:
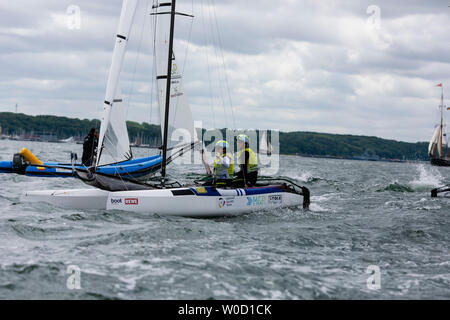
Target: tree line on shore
300	143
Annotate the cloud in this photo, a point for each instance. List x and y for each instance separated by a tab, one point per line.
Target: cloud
291	65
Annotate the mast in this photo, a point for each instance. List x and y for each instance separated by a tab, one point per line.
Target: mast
168	82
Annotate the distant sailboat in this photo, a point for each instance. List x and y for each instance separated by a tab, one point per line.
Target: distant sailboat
438	156
265	147
68	140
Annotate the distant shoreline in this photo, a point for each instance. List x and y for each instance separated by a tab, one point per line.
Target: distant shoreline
19	126
281	154
355	159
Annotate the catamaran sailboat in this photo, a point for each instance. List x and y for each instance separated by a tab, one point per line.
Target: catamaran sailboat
114	152
161	195
438	155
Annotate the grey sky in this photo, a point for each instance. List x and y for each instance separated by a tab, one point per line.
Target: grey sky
291	65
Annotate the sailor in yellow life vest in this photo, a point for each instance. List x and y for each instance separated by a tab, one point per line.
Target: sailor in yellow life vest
248	162
223	171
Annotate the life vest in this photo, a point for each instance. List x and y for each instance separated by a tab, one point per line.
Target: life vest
219	170
252	159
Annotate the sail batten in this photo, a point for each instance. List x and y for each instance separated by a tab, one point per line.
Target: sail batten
114	144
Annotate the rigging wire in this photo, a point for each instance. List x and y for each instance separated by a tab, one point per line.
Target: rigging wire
154	83
211	96
223	63
219	71
137	58
189	38
153	69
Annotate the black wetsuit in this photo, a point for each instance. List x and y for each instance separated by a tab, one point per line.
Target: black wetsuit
243	177
89	146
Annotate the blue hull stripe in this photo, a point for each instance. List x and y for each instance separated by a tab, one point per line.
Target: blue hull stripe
212	192
255	191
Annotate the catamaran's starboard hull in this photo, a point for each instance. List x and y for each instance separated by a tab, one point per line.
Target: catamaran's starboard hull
189	202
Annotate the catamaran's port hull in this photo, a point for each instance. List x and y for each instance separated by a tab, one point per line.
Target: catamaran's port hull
136	168
189	202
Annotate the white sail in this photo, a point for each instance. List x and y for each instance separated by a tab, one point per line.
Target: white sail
180	130
435	140
114	144
265	147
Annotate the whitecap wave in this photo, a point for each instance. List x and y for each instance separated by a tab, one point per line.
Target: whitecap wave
304	177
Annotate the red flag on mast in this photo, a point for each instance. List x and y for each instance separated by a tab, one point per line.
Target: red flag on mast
439	85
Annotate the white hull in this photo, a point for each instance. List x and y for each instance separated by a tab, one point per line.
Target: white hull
71	199
163	202
189	202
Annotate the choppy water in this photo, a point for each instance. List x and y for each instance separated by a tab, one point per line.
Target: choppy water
362	214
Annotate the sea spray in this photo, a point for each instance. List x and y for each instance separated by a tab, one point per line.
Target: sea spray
305	176
428	177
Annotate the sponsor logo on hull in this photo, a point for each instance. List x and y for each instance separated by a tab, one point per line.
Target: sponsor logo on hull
275	199
116	201
256	200
225	202
131	201
221	202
